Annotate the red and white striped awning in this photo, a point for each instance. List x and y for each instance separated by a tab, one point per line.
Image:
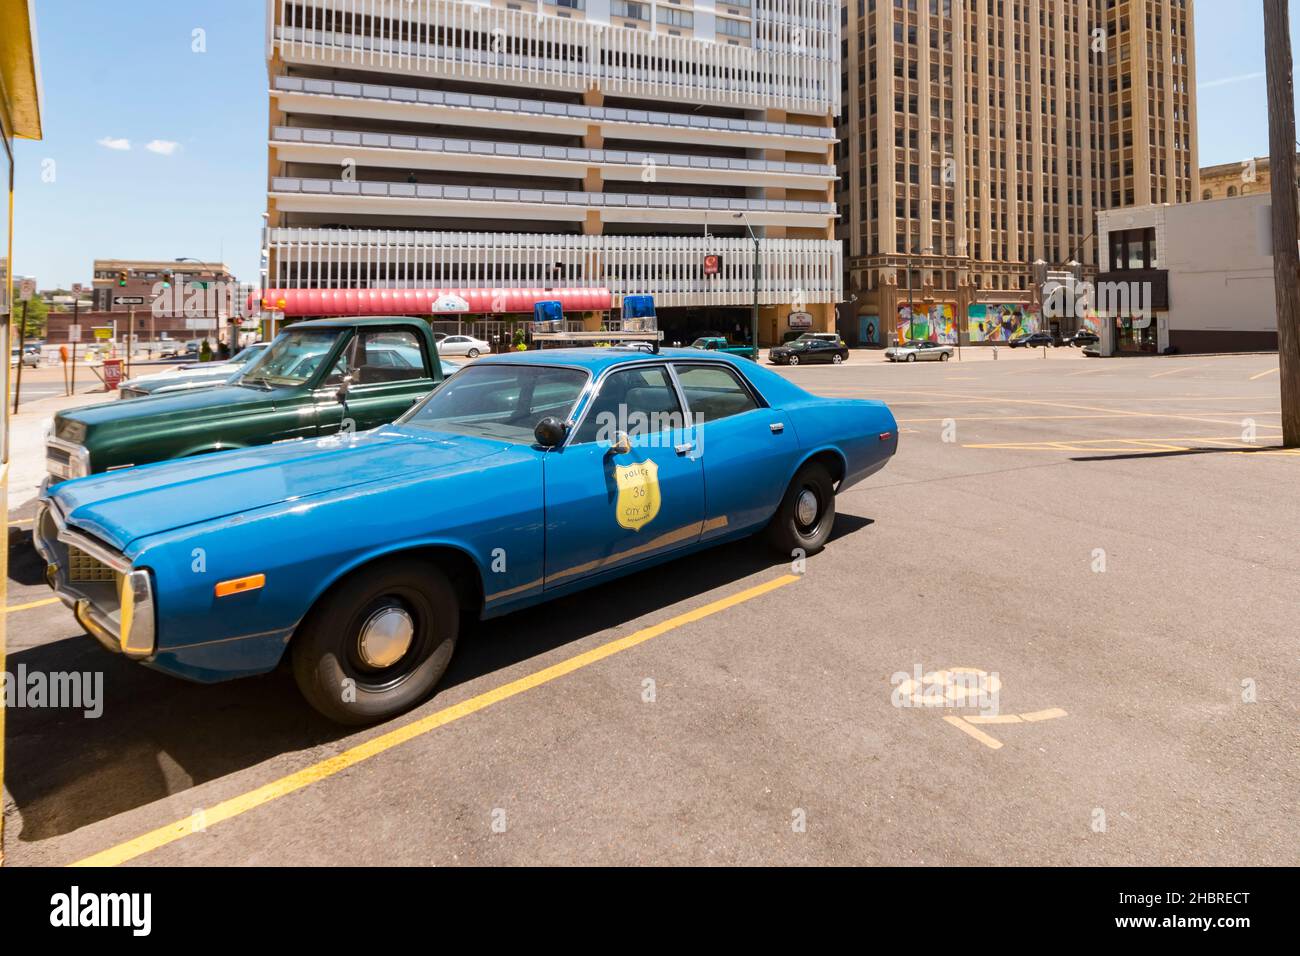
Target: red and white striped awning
299	303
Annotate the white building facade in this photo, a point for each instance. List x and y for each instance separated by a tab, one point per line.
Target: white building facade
632	146
1201	276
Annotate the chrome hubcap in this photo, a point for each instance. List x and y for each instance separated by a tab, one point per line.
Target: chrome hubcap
806	509
386	637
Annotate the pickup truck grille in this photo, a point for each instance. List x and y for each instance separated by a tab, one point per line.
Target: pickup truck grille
55	454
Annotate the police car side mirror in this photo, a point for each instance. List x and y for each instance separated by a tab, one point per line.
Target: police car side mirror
550	432
621	444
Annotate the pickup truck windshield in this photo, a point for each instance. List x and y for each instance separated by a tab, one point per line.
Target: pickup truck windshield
503	402
292	358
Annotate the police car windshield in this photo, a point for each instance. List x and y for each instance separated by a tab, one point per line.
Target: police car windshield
502	402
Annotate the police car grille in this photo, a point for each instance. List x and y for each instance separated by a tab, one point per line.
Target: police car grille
82	567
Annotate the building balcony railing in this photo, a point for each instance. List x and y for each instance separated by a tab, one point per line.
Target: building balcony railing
493	45
671	268
544	197
381	93
529	151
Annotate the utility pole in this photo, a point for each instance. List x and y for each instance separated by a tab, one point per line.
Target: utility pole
22	347
1282	167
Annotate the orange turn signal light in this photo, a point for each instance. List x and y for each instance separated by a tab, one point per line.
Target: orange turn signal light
239	585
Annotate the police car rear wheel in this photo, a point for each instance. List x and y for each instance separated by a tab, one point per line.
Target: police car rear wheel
378	643
807	512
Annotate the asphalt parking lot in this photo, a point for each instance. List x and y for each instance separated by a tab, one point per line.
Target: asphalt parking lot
1111	541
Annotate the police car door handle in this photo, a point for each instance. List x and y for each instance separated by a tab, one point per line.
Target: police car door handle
685	447
777	427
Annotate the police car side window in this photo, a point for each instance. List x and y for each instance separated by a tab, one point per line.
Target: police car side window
638	401
713	391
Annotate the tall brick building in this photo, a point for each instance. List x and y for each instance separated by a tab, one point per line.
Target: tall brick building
979	136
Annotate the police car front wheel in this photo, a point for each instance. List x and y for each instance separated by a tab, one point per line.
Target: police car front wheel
378	642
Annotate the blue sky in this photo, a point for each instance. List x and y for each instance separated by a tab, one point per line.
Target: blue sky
118	71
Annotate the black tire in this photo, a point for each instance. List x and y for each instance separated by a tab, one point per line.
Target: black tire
472	353
837	359
786	532
327	652
944	356
792	360
911	357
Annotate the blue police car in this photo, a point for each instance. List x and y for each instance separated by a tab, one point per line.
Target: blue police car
521	478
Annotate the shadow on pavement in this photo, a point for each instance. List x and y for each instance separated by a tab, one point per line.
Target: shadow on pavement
158	736
1180	453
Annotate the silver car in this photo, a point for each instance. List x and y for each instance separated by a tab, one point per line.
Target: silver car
920	351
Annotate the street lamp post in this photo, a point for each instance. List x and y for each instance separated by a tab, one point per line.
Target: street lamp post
753	317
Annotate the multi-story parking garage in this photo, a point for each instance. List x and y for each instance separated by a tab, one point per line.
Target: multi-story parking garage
639	147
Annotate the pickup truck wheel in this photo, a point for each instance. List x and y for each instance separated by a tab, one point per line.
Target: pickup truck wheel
806	513
378	643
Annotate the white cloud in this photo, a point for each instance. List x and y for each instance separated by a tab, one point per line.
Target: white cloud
1229	80
163	147
110	142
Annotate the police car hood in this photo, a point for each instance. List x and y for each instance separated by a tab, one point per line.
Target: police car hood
123	506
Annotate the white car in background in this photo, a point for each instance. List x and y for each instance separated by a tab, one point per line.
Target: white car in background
191	376
465	345
919	351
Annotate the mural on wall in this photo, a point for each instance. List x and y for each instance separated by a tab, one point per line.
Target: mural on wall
869	329
999	322
938	324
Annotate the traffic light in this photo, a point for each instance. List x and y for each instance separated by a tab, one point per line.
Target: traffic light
121	278
167	280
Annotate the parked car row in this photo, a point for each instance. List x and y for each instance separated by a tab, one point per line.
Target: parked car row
344	503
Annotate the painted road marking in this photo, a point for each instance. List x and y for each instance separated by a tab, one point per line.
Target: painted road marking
968	724
1119	444
1262	374
991	742
235	806
1172	371
27	607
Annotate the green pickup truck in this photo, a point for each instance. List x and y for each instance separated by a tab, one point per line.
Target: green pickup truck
312	379
716	343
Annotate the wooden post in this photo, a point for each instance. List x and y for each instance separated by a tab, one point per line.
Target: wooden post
1282	168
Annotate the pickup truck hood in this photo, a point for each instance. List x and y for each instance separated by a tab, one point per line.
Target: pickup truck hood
123	506
217	401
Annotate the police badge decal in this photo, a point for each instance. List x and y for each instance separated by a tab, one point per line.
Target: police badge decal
638	494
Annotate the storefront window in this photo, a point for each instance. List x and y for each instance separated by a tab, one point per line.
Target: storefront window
1135	335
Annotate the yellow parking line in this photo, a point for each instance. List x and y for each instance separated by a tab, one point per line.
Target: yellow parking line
233	807
27	607
991	742
1050	714
17	521
1262	374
